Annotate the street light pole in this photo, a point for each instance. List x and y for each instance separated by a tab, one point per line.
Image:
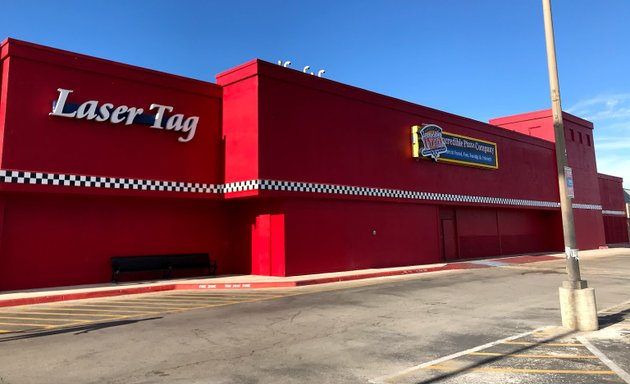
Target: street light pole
577	302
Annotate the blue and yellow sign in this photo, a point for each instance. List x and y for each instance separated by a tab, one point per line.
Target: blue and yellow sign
429	140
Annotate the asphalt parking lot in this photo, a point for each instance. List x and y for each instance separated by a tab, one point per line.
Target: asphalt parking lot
489	325
548	355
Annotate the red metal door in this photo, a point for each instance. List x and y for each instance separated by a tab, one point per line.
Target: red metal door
449	239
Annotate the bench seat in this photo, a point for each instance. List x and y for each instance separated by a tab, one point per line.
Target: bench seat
164	263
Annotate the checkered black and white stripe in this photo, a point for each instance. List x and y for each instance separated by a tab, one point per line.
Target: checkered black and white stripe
293	186
59	179
23	177
587	206
240	186
613	213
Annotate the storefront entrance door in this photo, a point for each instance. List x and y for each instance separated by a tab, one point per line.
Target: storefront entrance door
448	229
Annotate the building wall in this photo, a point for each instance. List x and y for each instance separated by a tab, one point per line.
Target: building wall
613	209
35	141
578	134
318	141
497	231
77	192
339	235
286	174
341	135
57	240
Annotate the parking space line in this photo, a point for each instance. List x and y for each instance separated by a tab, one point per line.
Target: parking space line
386	378
208	294
177	299
73	322
60	314
604	359
529	356
523	370
544	344
167	306
241	298
150	303
30	325
199	297
106	310
205	306
615	308
174	301
222	299
35	318
103	309
132	306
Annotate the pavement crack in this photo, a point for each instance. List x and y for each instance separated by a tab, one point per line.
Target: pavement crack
200	334
294	316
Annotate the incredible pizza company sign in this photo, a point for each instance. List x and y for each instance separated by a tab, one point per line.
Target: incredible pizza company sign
430	141
123	114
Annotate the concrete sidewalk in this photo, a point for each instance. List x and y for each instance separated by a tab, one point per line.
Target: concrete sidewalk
235	282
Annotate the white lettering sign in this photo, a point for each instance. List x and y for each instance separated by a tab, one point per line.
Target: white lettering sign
91	110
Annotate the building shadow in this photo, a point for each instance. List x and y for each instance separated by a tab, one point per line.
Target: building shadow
492	359
604	322
77	330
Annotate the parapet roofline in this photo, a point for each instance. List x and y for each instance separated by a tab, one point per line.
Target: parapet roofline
258	67
11	47
541	114
610	177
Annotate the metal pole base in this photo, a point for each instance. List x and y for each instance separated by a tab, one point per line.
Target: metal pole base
578	309
580	284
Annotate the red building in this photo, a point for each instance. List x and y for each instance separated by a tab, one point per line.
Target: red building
271	171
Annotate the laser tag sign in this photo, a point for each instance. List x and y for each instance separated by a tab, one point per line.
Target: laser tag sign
430	141
93	110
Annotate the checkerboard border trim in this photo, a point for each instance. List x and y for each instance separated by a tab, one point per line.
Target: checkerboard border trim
594	207
613	213
294	186
59	179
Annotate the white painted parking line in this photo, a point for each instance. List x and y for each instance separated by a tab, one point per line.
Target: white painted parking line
384	379
611	364
615	308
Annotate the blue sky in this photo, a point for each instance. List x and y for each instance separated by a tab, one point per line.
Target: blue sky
480	59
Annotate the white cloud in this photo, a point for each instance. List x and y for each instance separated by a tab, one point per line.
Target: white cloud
606	145
611	103
615	165
609	137
610	115
615	106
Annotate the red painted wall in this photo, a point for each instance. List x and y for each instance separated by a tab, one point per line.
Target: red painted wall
240	127
35	141
62	235
343	135
613	204
589	225
486	232
340	235
58	240
315	130
262	124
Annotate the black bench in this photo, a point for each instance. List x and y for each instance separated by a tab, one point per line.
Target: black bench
164	263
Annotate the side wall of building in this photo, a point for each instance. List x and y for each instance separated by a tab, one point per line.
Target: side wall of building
76	192
353	197
613	209
578	134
